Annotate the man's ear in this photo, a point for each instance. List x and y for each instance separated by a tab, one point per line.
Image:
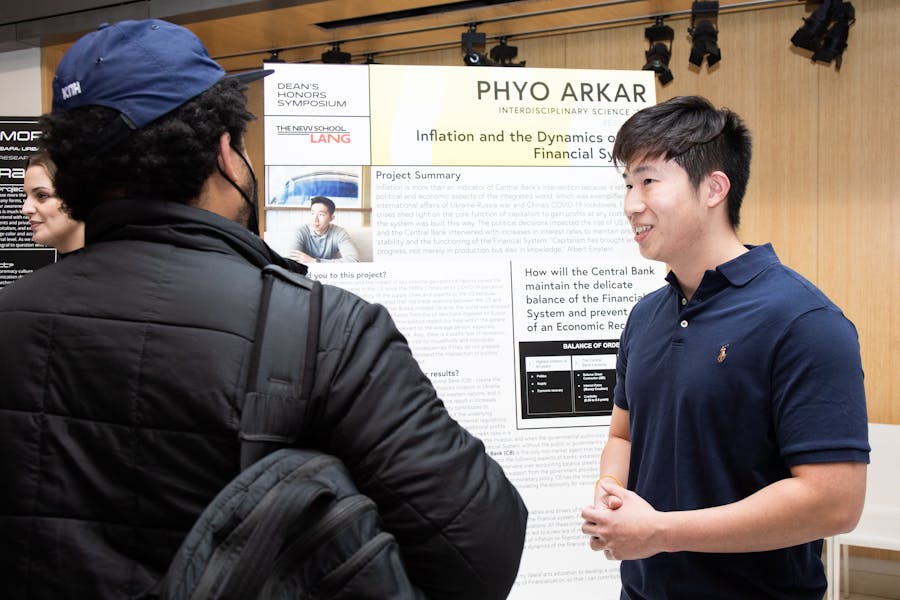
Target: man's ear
718	186
226	156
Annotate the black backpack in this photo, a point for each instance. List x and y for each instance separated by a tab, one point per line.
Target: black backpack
292	524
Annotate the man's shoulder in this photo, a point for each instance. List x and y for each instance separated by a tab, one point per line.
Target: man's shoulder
783	286
336	232
334	298
340	296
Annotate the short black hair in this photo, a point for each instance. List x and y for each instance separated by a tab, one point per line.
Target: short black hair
329	204
697	136
169	159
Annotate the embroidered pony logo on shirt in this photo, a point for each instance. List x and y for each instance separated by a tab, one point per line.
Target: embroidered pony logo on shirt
722	351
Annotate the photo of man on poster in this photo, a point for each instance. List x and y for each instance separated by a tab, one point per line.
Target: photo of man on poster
320	240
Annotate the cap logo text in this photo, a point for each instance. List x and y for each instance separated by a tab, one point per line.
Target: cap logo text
73	89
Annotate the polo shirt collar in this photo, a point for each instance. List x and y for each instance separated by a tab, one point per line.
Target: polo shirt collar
741	270
737	272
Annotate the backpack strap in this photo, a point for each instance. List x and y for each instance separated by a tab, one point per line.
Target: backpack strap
282	368
280	380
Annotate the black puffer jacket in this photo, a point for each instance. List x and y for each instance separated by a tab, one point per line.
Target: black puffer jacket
122	373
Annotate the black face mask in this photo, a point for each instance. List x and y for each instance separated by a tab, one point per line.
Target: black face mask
252	199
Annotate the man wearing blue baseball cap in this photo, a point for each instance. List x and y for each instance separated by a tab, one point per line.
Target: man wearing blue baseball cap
124	367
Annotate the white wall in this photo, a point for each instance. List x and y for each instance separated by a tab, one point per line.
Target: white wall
20	80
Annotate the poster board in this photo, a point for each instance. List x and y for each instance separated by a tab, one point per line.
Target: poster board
489	216
19	255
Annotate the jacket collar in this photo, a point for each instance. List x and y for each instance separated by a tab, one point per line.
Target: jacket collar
180	225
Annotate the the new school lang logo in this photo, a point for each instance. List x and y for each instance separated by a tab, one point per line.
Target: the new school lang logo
317	134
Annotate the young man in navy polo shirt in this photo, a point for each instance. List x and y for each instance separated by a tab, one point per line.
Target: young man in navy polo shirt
740	420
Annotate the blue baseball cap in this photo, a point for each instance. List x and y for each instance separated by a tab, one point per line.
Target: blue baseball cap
143	69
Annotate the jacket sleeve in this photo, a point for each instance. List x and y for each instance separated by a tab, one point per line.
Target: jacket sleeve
459	521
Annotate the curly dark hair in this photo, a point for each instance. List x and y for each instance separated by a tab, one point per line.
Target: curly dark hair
697	136
169	159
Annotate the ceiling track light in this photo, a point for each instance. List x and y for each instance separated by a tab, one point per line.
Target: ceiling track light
473	43
335	56
809	36
835	41
659	53
826	43
503	54
704	33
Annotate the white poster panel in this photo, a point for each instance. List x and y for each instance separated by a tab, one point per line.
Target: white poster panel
501	116
317	90
492	216
328	140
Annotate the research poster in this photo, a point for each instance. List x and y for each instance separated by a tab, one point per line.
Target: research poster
18	254
487	216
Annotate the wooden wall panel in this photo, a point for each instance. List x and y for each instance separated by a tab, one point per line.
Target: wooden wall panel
619	48
50	58
859	213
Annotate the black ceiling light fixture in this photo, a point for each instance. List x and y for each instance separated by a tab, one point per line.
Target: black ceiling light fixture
704	33
835	42
273	57
473	42
335	56
826	44
503	54
659	53
812	32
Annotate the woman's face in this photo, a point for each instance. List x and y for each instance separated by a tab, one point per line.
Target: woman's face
50	225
